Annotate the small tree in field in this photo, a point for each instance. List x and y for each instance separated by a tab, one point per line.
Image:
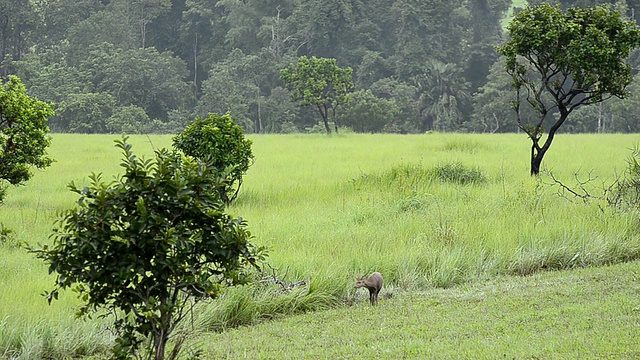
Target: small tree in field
319	82
561	61
218	140
148	246
23	134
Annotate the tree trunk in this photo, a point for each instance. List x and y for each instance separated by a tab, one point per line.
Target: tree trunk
195	67
325	117
259	110
161	334
536	160
326	126
3	51
537	152
600	121
160	346
335	121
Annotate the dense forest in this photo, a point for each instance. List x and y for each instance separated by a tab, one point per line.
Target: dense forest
136	66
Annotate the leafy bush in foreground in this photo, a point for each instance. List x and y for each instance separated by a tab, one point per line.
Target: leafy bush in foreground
148	246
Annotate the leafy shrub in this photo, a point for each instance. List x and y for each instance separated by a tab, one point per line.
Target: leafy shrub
127	119
219	140
288	127
23	134
367	113
148	246
85	113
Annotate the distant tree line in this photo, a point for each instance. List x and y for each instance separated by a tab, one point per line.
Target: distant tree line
137	66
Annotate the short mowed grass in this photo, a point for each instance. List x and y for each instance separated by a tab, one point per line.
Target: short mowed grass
437	214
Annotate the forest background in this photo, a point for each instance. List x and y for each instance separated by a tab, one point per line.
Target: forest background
149	66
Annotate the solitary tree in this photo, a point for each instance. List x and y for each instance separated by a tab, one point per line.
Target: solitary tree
23	134
319	82
148	246
563	60
219	140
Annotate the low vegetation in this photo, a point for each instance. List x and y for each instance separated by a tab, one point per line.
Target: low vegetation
331	209
580	314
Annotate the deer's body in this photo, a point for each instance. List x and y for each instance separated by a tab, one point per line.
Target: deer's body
373	283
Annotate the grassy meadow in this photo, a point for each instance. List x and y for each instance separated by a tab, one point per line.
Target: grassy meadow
333	208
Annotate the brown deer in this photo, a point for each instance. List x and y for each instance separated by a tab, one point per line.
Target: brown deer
373	283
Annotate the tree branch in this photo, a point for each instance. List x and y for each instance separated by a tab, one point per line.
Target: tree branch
581	192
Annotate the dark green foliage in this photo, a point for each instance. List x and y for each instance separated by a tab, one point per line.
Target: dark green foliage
164	56
85	113
404	97
560	61
18	22
366	112
23	134
127	119
218	140
200	56
493	111
443	94
145	78
236	88
148	246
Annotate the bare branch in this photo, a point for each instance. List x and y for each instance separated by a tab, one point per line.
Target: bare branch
285	286
584	187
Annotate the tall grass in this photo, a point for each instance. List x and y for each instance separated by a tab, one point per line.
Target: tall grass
61	338
333	208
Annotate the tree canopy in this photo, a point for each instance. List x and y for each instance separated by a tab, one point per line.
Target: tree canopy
175	60
560	61
178	59
24	134
321	83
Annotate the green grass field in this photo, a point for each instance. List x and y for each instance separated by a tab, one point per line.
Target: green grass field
333	208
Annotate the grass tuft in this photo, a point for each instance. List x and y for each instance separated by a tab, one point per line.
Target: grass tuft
409	177
464	145
458	173
413	203
251	304
65	338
